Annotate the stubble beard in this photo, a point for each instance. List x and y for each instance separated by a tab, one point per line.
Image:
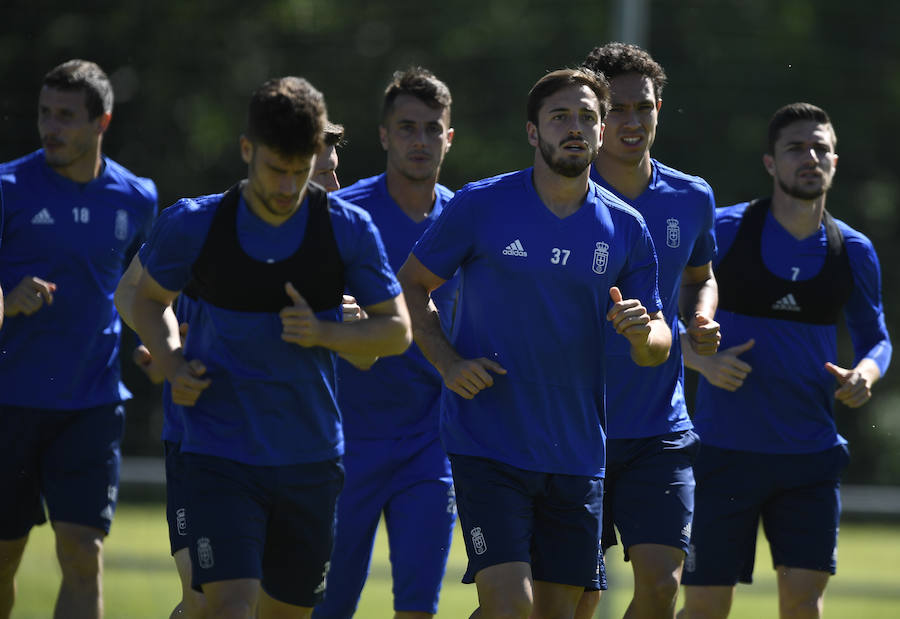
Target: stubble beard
570	168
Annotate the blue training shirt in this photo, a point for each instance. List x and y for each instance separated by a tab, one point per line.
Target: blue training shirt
400	395
534	296
79	236
786	404
270	402
679	210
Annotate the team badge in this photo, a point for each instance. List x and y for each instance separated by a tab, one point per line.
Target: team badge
205	553
601	258
673	233
121	225
478	543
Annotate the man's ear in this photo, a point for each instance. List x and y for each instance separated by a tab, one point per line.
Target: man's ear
531	131
246	149
769	164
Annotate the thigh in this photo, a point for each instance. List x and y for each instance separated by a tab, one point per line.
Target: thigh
651	499
420	517
80	467
300	536
230	504
20	471
568	517
729	495
496	512
801	521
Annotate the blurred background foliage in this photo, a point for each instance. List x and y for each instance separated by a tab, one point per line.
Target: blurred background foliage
183	72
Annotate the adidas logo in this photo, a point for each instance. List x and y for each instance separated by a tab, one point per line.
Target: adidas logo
43	217
786	303
515	249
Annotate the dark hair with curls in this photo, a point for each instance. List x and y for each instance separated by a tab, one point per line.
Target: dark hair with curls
288	115
614	59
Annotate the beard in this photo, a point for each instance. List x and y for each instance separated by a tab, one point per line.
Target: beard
805	194
562	164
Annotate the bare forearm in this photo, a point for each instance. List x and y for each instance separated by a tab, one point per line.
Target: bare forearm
157	326
655	349
376	336
691	359
698	298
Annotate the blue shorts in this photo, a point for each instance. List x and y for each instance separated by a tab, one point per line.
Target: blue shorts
796	495
551	521
66	459
176	497
274	524
649	490
409	481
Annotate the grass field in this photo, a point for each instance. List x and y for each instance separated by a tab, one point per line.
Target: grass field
140	579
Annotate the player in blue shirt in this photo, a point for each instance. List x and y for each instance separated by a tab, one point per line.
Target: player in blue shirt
787	271
649	485
73	217
265	265
522	413
192	603
394	462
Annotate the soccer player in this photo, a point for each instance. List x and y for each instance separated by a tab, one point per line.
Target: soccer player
192	603
73	217
395	464
264	266
522	409
649	485
787	270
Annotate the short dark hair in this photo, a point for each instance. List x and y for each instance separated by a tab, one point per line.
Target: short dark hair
614	59
86	76
288	115
563	78
795	112
334	134
417	82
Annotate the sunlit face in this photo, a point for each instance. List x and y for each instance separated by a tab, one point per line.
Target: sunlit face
631	122
325	171
804	160
416	137
276	184
569	130
67	135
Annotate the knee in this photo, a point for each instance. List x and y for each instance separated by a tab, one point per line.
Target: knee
805	603
658	585
80	556
506	607
706	602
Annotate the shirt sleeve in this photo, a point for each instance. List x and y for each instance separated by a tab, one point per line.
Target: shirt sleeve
864	311
638	280
368	273
448	242
175	242
705	246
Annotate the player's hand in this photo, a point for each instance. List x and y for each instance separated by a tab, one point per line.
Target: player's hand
466	377
351	311
144	360
704	334
723	369
29	296
187	384
299	323
854	390
629	317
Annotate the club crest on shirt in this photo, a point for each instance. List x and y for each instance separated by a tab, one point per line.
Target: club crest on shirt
601	258
121	230
673	233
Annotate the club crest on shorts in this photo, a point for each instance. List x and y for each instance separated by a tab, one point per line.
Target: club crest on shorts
205	553
121	229
478	543
673	233
181	521
601	258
